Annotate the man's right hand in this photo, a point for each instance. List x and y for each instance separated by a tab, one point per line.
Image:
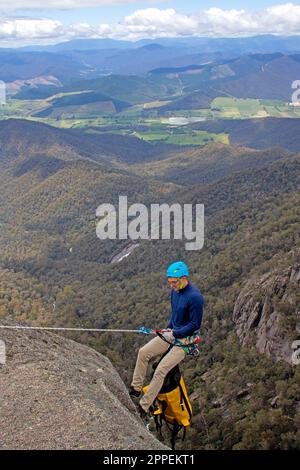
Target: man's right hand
168	335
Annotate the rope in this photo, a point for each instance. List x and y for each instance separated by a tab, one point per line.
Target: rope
142	329
65	329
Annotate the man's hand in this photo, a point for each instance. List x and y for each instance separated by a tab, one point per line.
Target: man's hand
168	335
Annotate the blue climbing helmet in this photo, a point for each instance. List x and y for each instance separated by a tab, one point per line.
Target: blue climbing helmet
177	269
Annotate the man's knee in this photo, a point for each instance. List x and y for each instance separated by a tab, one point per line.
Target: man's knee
164	367
161	371
144	353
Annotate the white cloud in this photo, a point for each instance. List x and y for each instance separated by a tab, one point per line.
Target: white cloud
29	28
278	19
154	23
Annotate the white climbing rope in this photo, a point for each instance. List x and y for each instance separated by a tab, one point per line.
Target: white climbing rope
15	327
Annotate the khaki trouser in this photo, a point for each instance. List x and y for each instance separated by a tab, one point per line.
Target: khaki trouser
155	347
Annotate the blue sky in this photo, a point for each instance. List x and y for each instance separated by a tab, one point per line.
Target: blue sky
110	13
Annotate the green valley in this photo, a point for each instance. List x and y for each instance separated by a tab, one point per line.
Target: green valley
103	115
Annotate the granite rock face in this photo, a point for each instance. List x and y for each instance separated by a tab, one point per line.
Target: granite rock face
267	312
58	394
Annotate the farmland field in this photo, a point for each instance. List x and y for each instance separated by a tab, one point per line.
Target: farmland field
148	121
183	138
252	108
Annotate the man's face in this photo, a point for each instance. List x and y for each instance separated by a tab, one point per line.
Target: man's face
175	282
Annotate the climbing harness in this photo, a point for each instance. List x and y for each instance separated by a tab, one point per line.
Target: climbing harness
189	344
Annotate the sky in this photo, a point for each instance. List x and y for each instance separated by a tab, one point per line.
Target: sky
23	22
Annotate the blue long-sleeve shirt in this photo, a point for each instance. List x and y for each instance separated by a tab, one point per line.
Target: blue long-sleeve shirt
187	311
